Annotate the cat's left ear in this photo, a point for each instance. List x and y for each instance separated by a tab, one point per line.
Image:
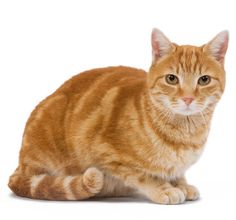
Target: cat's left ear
217	47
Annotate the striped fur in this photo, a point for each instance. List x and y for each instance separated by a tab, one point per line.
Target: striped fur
109	131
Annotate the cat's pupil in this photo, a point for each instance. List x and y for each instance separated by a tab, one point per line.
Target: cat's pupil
171	77
204	78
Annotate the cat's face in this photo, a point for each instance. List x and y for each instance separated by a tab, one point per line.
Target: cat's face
187	80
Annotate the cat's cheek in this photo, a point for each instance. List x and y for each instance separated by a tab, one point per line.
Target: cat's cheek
160	100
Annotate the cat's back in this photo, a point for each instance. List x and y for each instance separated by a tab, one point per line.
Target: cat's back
103	79
83	93
88	88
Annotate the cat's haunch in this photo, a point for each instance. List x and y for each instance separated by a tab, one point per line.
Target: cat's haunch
121	131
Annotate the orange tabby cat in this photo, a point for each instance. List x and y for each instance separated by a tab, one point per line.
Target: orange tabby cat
120	131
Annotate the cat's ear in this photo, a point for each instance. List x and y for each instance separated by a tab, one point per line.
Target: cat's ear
217	47
161	45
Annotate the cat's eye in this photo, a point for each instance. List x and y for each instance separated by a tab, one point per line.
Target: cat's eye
204	80
172	79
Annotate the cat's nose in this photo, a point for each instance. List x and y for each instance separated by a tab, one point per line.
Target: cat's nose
188	100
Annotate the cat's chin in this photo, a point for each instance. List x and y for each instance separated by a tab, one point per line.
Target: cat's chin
186	112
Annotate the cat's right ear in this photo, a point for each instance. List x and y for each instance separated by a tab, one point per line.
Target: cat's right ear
161	45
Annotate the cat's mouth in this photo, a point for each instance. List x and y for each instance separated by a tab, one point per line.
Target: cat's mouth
181	108
187	110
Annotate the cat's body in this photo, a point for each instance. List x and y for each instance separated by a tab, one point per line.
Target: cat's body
103	134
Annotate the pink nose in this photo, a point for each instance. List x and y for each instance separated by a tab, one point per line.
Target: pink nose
188	100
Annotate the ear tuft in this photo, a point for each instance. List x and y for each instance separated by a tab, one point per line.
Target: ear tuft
161	45
218	46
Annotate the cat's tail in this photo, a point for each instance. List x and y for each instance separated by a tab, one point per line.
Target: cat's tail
48	187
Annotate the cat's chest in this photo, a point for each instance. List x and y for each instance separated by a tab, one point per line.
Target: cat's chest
171	164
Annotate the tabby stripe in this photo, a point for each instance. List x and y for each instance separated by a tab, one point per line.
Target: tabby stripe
78	189
83	105
35	180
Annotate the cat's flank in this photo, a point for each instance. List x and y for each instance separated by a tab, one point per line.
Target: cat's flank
120	131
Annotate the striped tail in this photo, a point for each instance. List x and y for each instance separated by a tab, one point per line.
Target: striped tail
48	187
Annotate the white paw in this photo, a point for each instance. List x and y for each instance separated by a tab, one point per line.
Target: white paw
191	192
169	196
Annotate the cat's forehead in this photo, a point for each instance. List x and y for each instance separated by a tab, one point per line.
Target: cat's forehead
188	52
188	59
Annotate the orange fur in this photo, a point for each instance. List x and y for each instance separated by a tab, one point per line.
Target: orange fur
108	132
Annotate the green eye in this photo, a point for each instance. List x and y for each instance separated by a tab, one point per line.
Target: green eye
204	80
172	79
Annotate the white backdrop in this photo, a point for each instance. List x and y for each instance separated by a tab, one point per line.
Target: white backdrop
44	42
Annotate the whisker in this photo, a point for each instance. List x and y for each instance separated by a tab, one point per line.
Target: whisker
204	119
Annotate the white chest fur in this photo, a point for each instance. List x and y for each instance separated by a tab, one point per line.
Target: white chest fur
171	164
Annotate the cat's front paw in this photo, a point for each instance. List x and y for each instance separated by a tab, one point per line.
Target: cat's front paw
191	192
168	196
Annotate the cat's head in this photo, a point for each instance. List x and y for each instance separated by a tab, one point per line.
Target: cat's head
187	79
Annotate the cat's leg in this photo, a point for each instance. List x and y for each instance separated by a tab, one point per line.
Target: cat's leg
156	189
114	187
45	186
191	192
